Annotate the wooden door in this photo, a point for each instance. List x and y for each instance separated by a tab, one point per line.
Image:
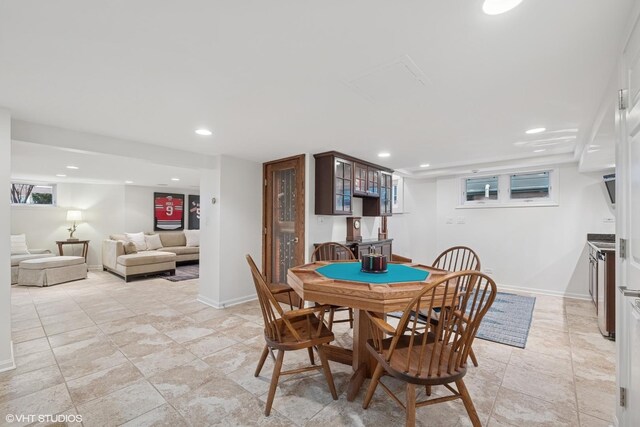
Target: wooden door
628	231
283	215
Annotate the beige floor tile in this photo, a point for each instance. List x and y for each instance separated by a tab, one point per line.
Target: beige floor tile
87	357
189	333
523	410
146	344
27	335
540	362
596	396
163	415
208	345
589	421
14	384
33	346
559	389
175	382
34	361
162	360
71	337
52	400
122	405
98	384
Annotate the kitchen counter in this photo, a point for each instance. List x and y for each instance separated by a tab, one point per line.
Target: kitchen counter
602	242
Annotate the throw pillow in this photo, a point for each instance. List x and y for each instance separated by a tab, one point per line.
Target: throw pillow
130	248
193	238
153	241
19	245
138	240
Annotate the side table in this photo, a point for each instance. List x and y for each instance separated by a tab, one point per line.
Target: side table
84	243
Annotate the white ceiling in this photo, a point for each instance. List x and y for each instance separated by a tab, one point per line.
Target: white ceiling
429	81
41	163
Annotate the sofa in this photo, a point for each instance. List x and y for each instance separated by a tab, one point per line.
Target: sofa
20	252
143	261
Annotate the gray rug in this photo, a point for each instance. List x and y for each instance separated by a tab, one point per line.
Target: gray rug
508	320
185	272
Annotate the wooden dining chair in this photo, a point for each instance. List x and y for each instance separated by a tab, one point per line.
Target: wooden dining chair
428	354
458	258
332	251
288	331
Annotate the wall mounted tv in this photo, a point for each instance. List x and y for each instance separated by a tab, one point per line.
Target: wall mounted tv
610	183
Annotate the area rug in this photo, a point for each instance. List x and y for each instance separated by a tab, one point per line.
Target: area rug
508	320
185	272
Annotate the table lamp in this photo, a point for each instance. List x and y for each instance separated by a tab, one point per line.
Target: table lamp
73	216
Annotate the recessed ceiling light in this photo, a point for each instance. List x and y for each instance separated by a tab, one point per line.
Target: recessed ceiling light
72	167
612	165
61	175
204	132
384	154
175	179
535	130
496	7
593	150
594	146
425	165
128	182
540	150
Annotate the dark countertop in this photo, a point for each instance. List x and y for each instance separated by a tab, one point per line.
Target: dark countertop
602	242
363	242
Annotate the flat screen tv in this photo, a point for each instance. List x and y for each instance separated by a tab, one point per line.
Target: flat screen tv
610	183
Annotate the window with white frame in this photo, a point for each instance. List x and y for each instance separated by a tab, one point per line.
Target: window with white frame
33	194
527	188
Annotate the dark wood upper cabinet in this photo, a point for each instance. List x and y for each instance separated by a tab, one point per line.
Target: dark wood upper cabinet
360	182
381	206
334	185
339	178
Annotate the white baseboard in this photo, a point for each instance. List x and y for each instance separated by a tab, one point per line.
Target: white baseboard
542	292
7	365
227	303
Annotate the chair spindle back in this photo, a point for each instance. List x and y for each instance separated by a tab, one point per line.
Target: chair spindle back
271	310
332	251
440	349
457	258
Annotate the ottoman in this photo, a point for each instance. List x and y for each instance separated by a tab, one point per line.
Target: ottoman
51	271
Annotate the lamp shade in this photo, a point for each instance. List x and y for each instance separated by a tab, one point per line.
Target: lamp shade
74	215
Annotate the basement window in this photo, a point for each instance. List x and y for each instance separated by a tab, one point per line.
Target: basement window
32	194
527	186
510	189
481	189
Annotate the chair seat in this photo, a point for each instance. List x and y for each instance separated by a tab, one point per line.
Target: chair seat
307	328
429	375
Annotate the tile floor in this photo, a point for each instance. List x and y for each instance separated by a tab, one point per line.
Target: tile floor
146	353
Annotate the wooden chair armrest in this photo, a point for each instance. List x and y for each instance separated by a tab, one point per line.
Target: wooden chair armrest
381	324
305	311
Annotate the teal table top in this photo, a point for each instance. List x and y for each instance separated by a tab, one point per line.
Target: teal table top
351	271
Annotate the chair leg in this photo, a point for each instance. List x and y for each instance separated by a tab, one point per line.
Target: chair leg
290	302
350	317
310	349
468	404
372	386
327	372
427	390
411	405
473	357
330	321
263	358
274	382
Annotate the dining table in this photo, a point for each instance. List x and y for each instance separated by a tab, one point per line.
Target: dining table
342	283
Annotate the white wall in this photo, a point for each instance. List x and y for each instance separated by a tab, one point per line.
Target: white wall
106	209
230	229
537	248
6	351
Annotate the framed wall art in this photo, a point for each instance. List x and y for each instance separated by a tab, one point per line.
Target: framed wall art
168	211
194	212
